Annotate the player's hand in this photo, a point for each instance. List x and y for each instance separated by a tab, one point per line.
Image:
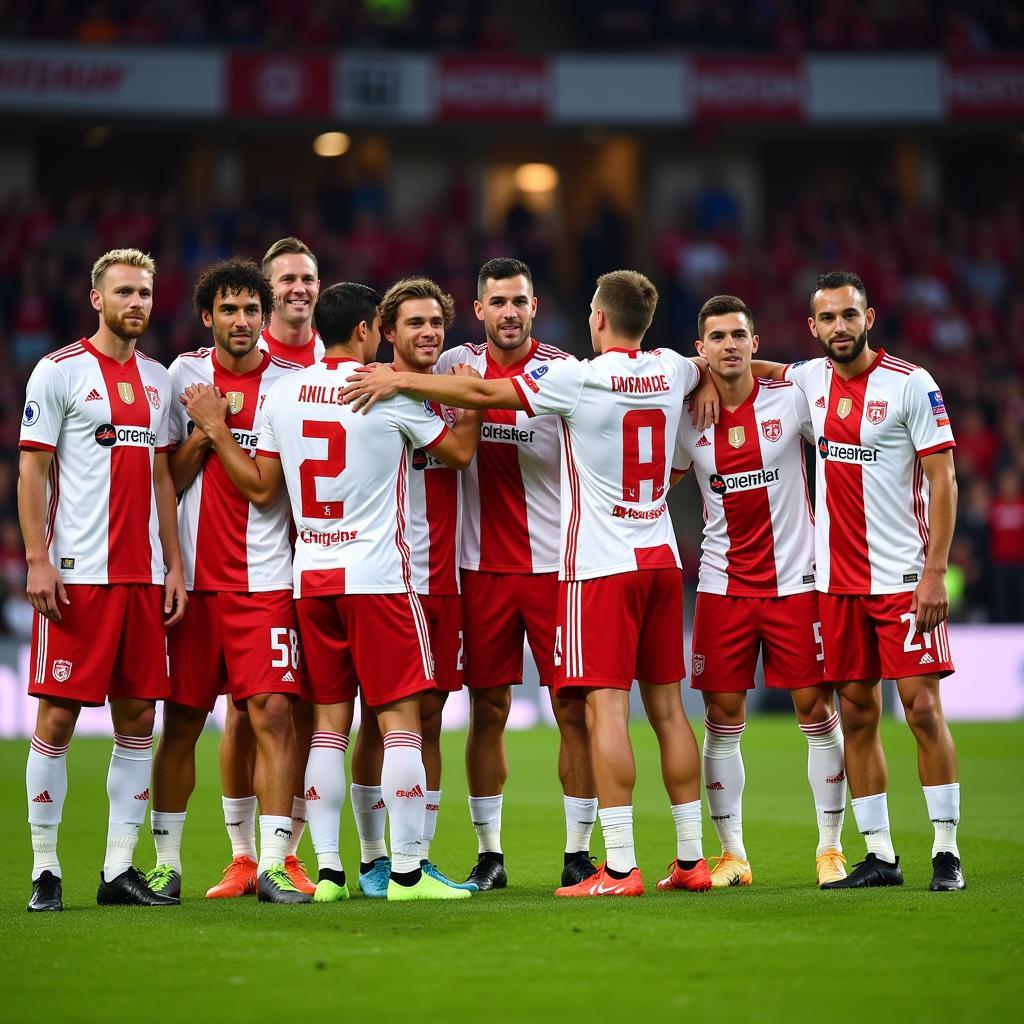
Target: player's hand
464	370
175	597
207	408
930	603
704	404
368	386
45	590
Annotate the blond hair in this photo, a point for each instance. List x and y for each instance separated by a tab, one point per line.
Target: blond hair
628	298
415	288
124	257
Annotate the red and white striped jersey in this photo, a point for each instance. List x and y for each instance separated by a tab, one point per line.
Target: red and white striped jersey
104	421
620	415
303	355
226	542
347	477
758	526
510	489
435	514
871	504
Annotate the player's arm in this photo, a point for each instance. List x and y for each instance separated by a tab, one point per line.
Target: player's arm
175	597
930	603
44	588
261	479
187	459
366	387
767	370
467	428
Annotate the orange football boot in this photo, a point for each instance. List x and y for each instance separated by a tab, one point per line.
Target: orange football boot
239	880
602	884
696	879
296	871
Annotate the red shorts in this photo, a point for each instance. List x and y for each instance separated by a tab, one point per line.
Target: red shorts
242	644
374	642
728	633
498	610
444	624
110	643
875	637
614	629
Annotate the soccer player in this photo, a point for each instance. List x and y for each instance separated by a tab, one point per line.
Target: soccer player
756	591
358	614
238	634
884	517
414	315
291	268
509	563
620	604
97	512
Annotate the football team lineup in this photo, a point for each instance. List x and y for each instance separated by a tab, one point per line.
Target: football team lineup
277	518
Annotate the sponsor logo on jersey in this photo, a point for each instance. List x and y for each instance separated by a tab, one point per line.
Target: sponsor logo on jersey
638	515
737	436
326	540
31	414
236	401
107	435
538	373
772	429
937	403
926	659
844	408
154	396
61	670
698	664
529	382
504	433
94	396
942	421
875	411
910	577
703	442
807	578
124	389
652	385
724	483
819	402
428	408
845	452
422	460
67	563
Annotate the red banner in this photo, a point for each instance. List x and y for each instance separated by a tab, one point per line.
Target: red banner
993	87
509	88
747	89
279	85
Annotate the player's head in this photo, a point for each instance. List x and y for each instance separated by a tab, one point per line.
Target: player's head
622	308
725	336
414	315
505	302
122	291
840	315
291	268
234	299
348	315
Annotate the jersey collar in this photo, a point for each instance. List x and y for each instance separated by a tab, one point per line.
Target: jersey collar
516	368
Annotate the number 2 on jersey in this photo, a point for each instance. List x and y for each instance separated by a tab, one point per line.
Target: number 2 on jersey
635	472
328	468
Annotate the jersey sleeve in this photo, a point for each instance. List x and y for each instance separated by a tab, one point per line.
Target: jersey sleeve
682	460
419	422
800	373
267	445
925	416
449	358
46	405
552	388
177	425
802	411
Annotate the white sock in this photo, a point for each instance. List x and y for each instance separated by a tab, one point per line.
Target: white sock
325	795
617	829
403	781
167	828
485	813
299	813
723	782
131	763
46	782
580	815
275	831
432	806
872	816
944	810
240	821
371	816
689	831
827	775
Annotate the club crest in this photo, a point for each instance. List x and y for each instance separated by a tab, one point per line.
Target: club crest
153	394
772	429
844	408
737	436
875	411
124	389
61	670
698	664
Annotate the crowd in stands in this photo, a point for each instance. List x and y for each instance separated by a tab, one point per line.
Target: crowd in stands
948	288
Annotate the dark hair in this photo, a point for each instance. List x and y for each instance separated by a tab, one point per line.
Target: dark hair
499	270
839	279
342	308
415	288
719	305
229	277
628	300
289	246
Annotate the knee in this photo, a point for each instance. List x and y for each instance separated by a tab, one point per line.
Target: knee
859	719
490	708
136	721
430	725
571	715
55	725
181	725
715	714
275	715
924	714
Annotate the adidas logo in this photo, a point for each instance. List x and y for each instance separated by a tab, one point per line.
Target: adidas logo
144	795
43	798
820	403
703	442
927	659
714	785
288	677
93	396
312	794
836	778
411	793
378	806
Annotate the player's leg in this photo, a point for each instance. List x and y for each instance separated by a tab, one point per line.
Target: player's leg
724	782
302	719
368	806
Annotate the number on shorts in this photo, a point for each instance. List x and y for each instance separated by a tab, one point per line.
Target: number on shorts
558	645
635	472
285	645
460	658
816	626
328	468
908	644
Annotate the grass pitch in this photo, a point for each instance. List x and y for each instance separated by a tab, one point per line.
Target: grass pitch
779	951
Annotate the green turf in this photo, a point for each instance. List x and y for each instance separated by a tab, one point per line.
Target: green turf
779	951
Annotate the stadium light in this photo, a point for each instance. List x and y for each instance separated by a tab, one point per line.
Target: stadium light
331	144
536	178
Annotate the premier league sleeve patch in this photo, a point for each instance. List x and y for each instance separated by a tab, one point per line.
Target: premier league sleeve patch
31	414
937	404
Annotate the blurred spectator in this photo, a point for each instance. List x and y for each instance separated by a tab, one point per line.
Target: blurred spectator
1006	526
